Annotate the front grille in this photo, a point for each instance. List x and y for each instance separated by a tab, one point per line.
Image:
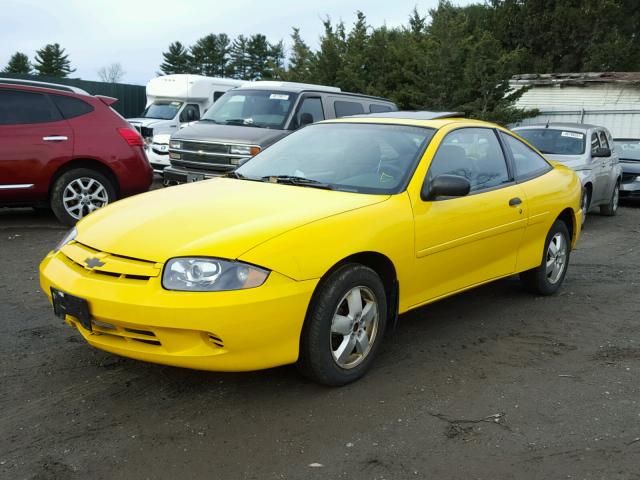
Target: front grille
205	147
125	333
146	132
208	159
111	265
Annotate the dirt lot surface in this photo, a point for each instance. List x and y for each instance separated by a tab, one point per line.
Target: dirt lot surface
491	384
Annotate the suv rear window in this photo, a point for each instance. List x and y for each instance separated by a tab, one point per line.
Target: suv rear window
377	108
554	142
19	108
71	107
344	109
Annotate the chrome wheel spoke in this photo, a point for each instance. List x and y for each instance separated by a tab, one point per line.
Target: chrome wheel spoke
341	325
362	342
345	349
556	258
355	302
369	312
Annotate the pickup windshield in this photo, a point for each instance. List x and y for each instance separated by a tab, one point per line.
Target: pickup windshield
353	157
252	108
162	110
555	142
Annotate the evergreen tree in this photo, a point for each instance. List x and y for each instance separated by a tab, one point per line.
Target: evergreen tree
210	55
176	60
259	53
300	60
18	63
238	66
353	73
328	60
51	61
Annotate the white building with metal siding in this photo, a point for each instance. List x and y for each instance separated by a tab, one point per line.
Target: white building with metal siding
609	99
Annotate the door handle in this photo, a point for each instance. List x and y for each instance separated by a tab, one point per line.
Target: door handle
55	138
514	202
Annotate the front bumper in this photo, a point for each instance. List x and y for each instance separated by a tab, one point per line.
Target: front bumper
158	161
221	331
630	189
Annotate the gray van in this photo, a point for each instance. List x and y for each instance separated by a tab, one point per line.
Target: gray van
246	120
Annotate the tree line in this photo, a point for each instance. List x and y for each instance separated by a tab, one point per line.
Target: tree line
451	58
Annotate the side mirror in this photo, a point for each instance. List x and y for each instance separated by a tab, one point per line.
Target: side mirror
305	119
601	152
445	186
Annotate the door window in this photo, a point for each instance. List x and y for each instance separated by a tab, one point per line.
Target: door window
595	143
344	109
311	109
18	107
472	153
527	162
603	139
191	113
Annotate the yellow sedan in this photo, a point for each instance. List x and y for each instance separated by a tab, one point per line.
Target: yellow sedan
309	251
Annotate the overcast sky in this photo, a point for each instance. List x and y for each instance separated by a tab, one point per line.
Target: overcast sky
136	32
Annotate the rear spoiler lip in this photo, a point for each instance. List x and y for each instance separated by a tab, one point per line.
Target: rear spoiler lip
108	101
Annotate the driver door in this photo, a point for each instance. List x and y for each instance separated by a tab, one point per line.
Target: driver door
464	241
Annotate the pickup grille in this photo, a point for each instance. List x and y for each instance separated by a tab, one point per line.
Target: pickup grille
205	147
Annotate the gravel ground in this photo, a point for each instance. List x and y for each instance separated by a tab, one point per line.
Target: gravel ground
490	384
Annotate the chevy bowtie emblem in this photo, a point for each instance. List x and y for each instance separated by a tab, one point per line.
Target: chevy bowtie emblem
93	262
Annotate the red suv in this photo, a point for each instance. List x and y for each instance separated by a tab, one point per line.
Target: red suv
62	147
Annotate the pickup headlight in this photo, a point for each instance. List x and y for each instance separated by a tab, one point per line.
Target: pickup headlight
244	150
69	237
175	144
203	274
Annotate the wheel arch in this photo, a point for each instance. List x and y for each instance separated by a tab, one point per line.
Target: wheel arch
85	163
568	217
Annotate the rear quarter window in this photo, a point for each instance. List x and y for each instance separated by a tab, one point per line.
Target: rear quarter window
377	108
344	108
71	107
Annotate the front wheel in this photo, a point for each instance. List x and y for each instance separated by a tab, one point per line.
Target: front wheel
344	327
77	193
611	208
547	278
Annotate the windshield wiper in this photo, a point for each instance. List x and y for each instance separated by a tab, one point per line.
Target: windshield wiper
298	181
208	120
240	121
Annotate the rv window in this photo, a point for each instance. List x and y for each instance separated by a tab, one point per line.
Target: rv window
162	110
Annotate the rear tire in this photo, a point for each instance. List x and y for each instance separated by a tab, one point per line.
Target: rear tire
585	203
78	192
547	278
345	325
611	208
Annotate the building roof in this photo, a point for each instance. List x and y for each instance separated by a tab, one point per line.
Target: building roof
575	79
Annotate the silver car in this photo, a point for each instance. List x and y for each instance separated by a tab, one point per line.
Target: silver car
587	149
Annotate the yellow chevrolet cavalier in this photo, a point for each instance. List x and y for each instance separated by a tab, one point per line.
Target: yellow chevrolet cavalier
308	252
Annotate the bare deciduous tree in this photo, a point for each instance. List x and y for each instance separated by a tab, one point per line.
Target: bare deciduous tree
111	73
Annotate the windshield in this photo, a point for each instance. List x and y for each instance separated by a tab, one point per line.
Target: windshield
162	110
628	149
555	142
357	157
252	108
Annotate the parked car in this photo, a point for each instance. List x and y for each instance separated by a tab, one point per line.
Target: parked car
587	149
63	148
629	153
174	101
248	119
309	251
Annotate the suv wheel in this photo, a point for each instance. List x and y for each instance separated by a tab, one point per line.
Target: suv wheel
79	192
344	327
611	208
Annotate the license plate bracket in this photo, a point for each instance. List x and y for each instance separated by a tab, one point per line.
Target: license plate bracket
66	304
194	177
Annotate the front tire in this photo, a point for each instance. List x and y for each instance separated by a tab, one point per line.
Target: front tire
611	208
547	278
78	192
344	327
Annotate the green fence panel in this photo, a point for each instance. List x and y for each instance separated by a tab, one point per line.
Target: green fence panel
131	98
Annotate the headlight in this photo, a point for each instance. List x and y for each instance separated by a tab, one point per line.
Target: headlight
202	274
244	150
69	237
175	144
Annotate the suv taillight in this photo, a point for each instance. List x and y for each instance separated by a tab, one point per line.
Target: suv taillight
131	136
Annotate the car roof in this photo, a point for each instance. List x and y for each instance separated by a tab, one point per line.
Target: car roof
435	123
558	126
413	115
17	82
295	87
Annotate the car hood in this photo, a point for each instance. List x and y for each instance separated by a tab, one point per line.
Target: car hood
630	166
220	217
571	161
211	132
147	122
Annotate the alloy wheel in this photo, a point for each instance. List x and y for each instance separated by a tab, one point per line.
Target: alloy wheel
84	195
556	258
354	327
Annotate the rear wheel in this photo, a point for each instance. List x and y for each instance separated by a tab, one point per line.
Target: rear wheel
79	192
547	278
586	201
611	208
344	327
